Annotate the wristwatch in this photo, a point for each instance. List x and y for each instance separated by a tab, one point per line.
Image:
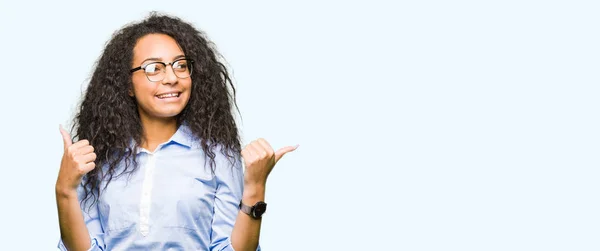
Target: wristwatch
255	211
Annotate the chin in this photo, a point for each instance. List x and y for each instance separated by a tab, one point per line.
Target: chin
169	114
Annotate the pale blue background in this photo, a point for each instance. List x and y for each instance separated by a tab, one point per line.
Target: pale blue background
423	125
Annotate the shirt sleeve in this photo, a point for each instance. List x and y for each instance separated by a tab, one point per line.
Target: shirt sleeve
230	182
92	222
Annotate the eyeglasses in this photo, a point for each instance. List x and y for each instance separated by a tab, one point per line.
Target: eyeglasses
156	71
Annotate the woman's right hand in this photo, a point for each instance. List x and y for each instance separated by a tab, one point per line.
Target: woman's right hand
78	159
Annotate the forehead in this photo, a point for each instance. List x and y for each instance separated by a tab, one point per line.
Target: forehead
156	46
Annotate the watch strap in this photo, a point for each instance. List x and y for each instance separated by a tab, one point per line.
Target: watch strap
256	211
246	209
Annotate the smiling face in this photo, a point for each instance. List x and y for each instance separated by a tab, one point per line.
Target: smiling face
162	99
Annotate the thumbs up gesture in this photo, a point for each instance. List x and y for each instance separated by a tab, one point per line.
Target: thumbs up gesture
260	159
78	159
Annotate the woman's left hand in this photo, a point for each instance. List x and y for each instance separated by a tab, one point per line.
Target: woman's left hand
260	159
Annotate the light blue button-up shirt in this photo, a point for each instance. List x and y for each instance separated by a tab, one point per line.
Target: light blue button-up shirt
172	201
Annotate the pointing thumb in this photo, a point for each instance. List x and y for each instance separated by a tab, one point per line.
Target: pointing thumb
66	137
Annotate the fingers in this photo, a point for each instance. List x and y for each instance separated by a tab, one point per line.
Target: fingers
89	167
65	136
85	149
80	144
80	151
283	151
260	148
265	146
87	158
245	153
253	151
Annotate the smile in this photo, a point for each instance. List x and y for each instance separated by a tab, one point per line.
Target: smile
168	95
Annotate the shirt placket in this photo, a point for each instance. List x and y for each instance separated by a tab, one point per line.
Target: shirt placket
146	198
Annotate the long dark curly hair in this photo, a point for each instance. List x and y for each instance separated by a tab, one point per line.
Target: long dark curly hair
108	116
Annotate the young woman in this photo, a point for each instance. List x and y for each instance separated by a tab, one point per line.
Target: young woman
158	164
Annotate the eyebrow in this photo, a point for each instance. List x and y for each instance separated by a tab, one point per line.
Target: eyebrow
160	59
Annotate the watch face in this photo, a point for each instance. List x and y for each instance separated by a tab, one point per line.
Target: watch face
259	209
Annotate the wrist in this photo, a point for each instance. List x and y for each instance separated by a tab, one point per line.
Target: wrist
253	194
65	193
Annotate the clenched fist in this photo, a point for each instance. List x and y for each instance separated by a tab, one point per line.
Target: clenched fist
78	159
260	159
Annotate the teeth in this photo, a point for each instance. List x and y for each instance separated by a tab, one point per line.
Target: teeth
168	95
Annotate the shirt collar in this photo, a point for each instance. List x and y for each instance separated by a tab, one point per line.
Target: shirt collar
183	136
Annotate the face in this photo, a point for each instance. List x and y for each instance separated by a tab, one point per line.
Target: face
162	99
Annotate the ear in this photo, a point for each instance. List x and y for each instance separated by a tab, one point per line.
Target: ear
130	92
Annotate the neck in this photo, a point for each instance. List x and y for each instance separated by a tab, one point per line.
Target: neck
156	131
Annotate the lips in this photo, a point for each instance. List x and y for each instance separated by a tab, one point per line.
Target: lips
168	95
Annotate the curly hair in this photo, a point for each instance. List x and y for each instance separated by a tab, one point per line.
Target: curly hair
108	117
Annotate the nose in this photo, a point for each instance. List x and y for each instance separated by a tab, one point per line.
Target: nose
170	77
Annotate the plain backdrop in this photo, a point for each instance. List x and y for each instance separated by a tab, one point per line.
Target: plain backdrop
423	125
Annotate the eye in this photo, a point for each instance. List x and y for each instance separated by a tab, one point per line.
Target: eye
180	65
153	68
